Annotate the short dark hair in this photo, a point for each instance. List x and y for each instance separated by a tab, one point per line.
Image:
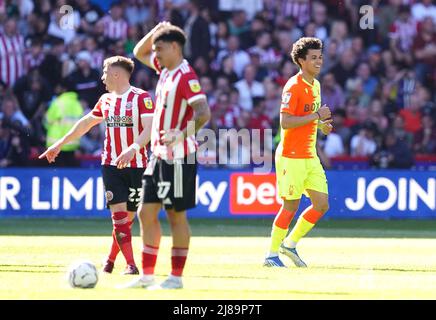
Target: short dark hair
120	61
169	34
302	47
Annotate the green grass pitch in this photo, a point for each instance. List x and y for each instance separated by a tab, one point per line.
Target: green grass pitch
347	260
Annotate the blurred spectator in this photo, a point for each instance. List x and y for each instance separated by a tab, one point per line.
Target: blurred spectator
61	26
394	154
262	71
406	86
401	35
89	15
422	9
286	70
91	143
330	56
399	131
411	115
227	69
267	55
224	114
385	16
249	88
369	82
207	87
14	147
62	114
138	11
319	17
345	68
197	34
201	67
331	93
12	53
332	145
339	34
238	24
240	57
425	138
35	54
424	48
12	115
69	61
85	80
339	128
357	48
219	40
99	34
363	144
299	10
376	66
115	27
52	66
97	54
250	7
272	99
133	37
376	116
33	93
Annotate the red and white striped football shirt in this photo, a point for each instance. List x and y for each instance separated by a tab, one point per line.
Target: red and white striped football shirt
11	58
176	90
122	114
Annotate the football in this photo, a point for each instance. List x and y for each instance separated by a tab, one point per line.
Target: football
82	274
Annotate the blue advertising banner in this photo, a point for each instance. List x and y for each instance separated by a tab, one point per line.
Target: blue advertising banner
69	193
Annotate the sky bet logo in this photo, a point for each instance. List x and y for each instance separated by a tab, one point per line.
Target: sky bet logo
118	121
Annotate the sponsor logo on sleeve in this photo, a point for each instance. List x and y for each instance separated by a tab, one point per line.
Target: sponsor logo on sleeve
148	103
194	85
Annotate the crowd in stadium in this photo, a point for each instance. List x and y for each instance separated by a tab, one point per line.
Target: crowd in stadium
378	76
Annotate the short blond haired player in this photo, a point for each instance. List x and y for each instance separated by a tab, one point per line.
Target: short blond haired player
298	168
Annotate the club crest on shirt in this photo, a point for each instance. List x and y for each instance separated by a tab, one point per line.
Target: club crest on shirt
286	97
148	103
109	195
194	85
128	105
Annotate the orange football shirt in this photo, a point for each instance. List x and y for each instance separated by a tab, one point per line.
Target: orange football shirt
300	98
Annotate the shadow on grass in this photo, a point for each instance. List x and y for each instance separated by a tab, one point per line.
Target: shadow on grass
225	227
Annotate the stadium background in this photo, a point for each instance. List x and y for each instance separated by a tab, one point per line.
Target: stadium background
379	82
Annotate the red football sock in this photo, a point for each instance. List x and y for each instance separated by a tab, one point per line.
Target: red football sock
115	249
123	235
149	257
178	260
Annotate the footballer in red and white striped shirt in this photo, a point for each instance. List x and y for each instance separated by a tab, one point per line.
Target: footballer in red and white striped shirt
176	91
123	115
128	113
181	110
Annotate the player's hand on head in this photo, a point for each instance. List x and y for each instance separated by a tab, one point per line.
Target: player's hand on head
324	112
162	24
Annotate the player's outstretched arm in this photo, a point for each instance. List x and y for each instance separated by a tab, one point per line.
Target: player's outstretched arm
143	48
79	129
288	121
